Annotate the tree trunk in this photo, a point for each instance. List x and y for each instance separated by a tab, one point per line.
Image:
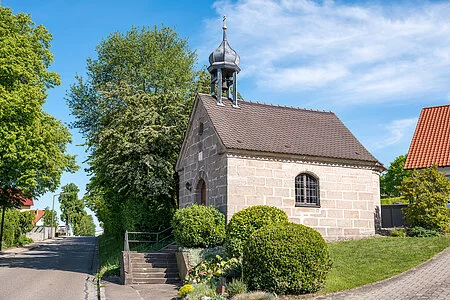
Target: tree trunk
1	227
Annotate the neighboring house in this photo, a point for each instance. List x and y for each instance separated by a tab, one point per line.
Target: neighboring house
238	154
431	141
38	217
26	204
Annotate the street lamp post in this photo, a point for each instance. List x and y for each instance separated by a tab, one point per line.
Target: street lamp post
53	215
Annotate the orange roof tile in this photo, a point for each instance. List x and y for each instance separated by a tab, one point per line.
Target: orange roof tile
431	142
38	214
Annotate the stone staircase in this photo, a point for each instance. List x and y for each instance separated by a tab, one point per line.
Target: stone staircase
154	267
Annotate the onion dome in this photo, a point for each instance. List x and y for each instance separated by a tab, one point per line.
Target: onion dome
224	55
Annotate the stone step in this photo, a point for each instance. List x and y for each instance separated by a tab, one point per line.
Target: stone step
154	280
150	260
152	270
158	270
156	275
160	258
153	255
154	265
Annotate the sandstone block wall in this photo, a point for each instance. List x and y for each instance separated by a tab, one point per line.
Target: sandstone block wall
348	196
203	159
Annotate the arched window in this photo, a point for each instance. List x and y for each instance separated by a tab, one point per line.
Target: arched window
306	190
201	192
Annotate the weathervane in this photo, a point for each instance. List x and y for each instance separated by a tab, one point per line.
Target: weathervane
224	23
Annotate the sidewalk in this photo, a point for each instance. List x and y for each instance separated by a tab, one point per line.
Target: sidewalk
24	248
116	291
430	280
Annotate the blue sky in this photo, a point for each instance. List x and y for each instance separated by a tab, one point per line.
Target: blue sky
374	63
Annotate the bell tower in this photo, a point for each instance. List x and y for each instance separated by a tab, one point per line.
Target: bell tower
224	69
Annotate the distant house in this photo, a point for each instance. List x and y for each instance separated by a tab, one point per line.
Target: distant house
431	141
237	154
38	217
26	204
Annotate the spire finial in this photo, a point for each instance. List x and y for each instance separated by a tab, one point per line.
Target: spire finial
224	27
224	23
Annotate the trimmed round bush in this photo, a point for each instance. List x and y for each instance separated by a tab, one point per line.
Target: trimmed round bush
198	226
286	259
245	222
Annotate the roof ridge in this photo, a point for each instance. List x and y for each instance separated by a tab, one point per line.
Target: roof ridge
278	105
436	106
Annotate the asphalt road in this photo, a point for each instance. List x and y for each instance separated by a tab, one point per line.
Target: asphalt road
59	269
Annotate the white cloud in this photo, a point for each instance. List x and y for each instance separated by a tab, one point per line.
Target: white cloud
397	131
305	77
355	52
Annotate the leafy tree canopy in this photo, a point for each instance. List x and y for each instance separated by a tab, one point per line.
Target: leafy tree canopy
392	178
133	109
428	192
48	213
85	227
32	143
71	205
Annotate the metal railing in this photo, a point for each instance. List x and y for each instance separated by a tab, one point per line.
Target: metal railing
133	237
148	237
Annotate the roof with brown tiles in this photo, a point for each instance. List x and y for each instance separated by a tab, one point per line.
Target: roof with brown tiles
280	129
431	141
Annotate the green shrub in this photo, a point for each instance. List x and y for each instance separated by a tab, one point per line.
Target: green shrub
286	259
427	191
421	232
200	290
398	232
198	226
235	287
245	222
23	240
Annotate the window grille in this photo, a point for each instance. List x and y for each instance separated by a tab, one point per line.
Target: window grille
306	190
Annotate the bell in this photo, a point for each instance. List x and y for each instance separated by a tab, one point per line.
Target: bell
225	85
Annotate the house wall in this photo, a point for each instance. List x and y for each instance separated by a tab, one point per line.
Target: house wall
349	197
445	171
203	158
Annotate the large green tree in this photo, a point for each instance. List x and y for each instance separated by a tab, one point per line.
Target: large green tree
72	207
391	179
50	218
32	142
133	109
85	227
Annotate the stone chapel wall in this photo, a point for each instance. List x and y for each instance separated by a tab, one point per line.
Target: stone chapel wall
349	197
203	159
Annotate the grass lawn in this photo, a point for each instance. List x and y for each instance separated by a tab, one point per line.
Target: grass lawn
109	249
359	262
388	201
